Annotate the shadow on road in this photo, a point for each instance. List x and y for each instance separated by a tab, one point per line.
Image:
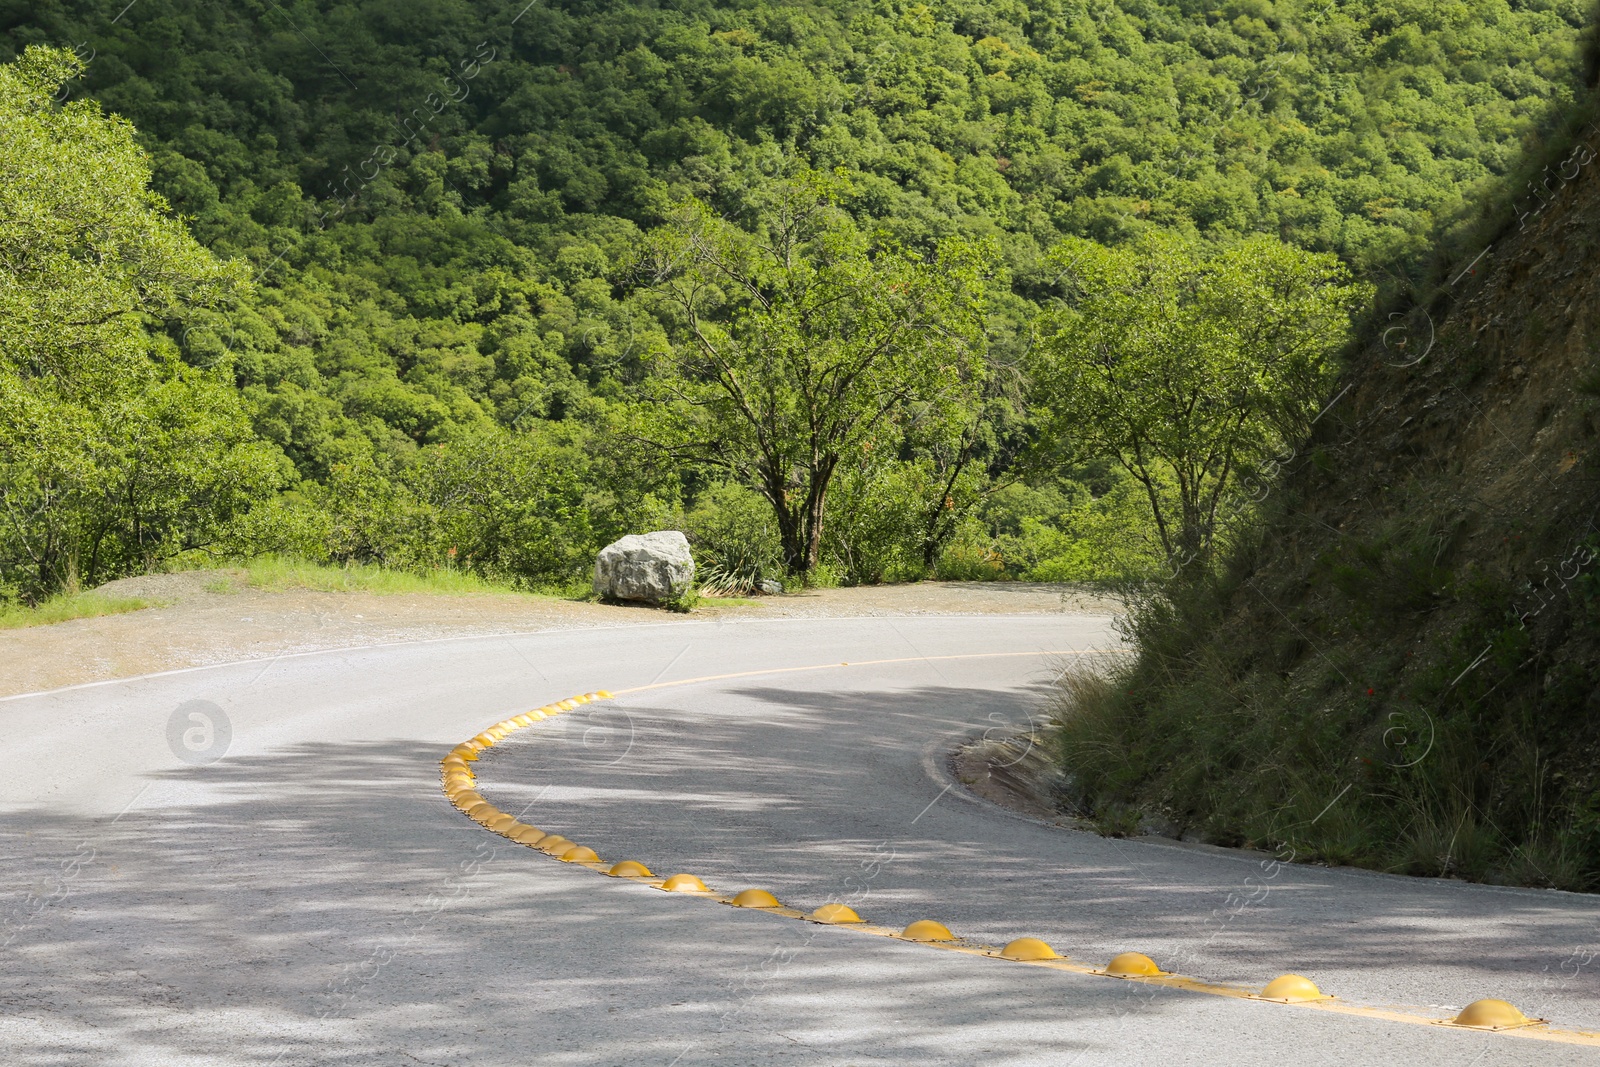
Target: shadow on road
325	905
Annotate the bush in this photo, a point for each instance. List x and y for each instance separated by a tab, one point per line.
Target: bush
1058	532
735	540
874	531
971	556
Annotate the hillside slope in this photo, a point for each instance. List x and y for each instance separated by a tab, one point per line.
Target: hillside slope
1399	668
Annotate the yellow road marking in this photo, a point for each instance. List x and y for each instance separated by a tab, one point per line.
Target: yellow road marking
872	663
463	795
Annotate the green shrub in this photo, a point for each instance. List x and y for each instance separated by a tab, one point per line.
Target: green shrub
735	540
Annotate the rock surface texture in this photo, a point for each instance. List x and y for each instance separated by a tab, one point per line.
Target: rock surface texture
654	566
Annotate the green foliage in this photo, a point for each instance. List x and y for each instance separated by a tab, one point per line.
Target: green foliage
804	343
682	603
505	507
437	203
508	508
278	574
1067	533
66	606
734	539
876	525
1344	752
969	558
1186	366
437	206
114	455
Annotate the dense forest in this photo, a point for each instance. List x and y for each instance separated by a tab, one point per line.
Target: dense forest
420	305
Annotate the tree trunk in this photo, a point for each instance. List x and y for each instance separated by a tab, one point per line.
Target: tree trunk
791	530
816	497
792	540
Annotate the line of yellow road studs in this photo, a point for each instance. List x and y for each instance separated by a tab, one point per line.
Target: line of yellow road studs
1495	1016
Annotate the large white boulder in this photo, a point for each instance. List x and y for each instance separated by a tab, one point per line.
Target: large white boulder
654	566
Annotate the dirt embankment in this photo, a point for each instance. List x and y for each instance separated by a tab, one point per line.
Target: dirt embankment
211	617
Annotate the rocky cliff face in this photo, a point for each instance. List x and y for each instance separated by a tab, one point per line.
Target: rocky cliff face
1402	668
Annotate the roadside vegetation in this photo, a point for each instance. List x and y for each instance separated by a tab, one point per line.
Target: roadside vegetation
413	299
64	607
277	574
415	314
1393	664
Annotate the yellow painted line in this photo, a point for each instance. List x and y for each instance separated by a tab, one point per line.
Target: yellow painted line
873	663
458	782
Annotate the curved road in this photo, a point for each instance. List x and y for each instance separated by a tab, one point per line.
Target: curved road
298	891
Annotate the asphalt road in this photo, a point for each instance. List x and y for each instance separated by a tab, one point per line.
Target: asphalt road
281	882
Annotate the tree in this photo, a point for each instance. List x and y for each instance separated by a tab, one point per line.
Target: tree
113	453
1185	365
805	342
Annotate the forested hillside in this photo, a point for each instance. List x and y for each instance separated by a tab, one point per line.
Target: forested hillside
436	347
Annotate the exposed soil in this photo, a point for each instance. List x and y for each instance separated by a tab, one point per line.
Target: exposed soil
211	617
1015	772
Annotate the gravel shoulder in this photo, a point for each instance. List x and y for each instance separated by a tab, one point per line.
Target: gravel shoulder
207	617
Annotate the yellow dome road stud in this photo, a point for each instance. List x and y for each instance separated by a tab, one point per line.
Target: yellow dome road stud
465	800
927	930
484	814
1026	949
835	913
501	823
1491	1015
527	835
1291	989
579	854
684	883
554	845
523	720
1133	965
584	699
454	761
602	694
630	869
566	705
483	740
755	898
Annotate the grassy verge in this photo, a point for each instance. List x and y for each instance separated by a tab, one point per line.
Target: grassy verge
1335	735
277	574
70	606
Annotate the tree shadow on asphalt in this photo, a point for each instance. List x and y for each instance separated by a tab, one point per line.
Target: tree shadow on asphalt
325	904
725	797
